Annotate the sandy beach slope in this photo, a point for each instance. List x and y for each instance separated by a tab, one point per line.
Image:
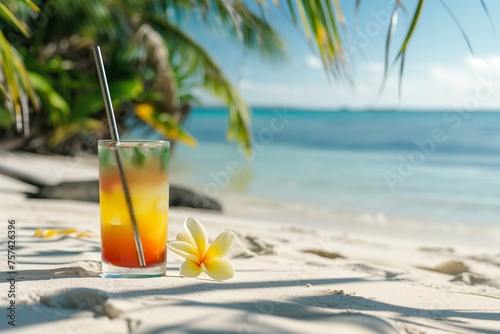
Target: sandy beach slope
288	279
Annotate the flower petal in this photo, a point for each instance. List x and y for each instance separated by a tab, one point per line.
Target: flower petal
198	233
190	269
48	233
184	236
183	249
219	269
221	246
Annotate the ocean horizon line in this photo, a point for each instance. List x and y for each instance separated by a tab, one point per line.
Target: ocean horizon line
346	110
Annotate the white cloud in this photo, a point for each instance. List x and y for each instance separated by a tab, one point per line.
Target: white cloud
453	78
464	78
296	94
374	66
476	62
452	85
425	86
495	61
313	62
489	62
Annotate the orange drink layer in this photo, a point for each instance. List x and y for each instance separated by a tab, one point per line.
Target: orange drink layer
146	172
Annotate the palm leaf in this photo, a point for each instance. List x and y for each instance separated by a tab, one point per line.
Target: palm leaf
390	33
323	27
32	5
238	21
5	118
485	8
400	79
15	85
303	18
16	80
458	25
99	20
257	33
357	6
24	79
207	75
66	131
163	123
293	13
11	20
91	102
54	104
411	29
402	51
4	93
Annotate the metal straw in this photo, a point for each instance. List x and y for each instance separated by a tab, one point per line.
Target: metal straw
116	138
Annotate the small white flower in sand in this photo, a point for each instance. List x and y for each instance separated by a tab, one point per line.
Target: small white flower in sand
192	244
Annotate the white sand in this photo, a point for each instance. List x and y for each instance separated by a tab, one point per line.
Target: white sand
379	285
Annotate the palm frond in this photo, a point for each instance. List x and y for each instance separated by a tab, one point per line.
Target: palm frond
32	5
163	123
390	33
238	21
400	78
99	20
15	81
5	118
323	27
409	34
402	50
55	105
66	131
485	8
469	45
11	20
207	75
293	14
411	29
4	94
357	6
256	32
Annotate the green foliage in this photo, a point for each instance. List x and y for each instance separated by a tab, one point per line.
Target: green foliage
6	120
143	52
323	25
10	19
49	97
235	19
16	87
69	129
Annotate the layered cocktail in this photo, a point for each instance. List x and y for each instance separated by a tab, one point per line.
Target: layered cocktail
144	167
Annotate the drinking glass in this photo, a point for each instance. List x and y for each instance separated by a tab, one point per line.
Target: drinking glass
145	172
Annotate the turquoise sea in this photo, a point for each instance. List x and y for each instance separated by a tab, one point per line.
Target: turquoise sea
379	167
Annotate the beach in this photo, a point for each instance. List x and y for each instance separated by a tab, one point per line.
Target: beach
289	278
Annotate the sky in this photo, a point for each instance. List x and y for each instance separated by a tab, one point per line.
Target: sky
440	71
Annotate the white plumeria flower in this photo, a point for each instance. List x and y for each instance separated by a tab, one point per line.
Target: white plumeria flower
192	244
